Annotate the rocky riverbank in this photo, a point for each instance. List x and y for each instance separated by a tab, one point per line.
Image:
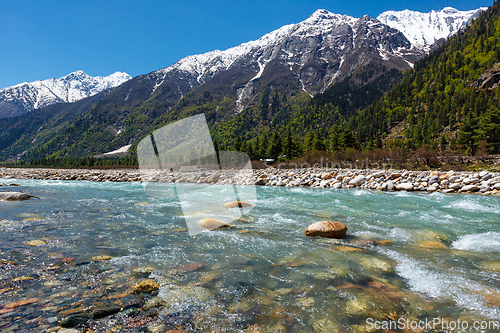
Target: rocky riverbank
484	182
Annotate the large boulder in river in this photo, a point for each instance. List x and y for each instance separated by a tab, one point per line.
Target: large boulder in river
329	229
240	204
212	224
15	196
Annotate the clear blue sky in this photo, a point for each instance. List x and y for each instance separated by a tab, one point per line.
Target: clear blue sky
45	39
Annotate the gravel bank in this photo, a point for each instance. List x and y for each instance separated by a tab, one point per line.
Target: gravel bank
484	182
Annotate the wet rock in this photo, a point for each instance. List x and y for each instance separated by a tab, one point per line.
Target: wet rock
23	278
75	320
240	204
375	263
68	330
154	302
305	302
13	305
325	326
133	303
16	196
209	277
177	318
143	270
36	242
358	306
104	311
432	245
493	266
365	243
155	327
147	286
329	229
342	248
101	258
212	224
235	292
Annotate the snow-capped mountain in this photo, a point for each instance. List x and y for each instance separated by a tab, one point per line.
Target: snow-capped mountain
427	28
313	53
28	96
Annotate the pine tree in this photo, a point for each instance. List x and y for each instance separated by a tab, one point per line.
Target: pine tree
467	135
348	139
335	139
237	143
275	147
308	141
318	143
263	146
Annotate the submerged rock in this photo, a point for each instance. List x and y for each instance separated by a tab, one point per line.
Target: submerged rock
36	242
175	296
75	320
329	229
192	267
104	311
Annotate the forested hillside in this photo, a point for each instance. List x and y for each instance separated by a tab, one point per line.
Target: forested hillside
450	98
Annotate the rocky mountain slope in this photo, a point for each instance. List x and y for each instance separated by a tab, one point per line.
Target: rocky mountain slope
24	97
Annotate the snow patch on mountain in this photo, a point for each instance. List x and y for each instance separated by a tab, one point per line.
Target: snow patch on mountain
427	28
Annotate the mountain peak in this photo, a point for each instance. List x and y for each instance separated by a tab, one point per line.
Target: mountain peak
424	29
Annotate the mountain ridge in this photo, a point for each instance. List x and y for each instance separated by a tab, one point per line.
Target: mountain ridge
27	96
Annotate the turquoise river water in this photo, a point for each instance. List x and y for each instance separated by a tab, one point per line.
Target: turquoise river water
435	257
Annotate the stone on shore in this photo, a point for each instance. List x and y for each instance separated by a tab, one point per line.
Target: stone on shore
470	188
404	187
328	229
357	181
15	196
